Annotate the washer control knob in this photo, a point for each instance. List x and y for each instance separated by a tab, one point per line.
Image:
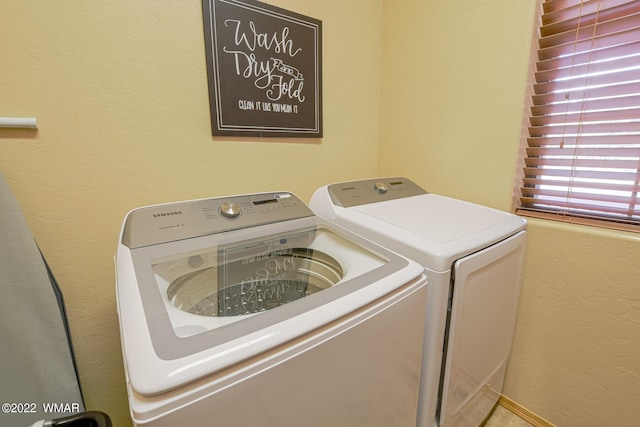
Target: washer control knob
230	210
381	187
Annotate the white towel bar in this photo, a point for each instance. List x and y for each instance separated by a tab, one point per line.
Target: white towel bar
17	122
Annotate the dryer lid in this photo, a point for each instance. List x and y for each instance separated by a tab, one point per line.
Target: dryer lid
431	229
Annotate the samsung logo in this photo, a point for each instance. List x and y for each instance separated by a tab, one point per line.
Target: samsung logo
167	213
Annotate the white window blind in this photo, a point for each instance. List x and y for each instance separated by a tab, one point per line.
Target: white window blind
582	160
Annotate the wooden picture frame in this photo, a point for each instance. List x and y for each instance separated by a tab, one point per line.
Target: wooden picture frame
264	67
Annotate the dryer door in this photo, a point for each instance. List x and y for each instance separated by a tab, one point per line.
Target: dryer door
486	291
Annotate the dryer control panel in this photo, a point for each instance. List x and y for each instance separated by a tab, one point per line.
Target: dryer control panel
355	193
169	222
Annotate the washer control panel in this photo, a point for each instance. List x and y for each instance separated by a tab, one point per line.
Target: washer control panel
355	193
169	222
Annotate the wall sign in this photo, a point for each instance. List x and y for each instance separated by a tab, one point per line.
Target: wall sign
264	69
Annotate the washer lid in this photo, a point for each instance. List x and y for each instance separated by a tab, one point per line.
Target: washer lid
431	229
181	303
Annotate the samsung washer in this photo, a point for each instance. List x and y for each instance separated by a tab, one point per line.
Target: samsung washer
473	258
250	310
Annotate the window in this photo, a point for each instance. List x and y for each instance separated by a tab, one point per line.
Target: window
582	136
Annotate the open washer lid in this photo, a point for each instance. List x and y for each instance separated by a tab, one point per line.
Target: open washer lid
431	229
199	291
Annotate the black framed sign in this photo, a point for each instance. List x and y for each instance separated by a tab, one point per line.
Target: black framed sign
264	69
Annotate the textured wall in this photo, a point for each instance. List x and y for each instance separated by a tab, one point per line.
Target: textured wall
452	94
119	89
575	358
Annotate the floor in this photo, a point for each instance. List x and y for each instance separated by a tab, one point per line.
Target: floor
502	417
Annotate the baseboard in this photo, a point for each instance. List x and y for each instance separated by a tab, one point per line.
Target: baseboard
523	412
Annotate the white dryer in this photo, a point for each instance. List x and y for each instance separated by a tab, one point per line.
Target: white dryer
251	310
473	258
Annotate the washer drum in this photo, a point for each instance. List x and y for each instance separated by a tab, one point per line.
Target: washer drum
281	277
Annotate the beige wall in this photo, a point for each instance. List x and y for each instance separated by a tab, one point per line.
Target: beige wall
453	83
575	358
120	93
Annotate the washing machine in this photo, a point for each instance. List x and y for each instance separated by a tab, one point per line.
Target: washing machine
473	258
251	310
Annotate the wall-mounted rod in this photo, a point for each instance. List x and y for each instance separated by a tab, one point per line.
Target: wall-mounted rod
17	122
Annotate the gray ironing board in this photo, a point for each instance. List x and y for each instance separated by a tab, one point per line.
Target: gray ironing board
36	358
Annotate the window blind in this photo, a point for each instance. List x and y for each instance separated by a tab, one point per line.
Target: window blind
582	160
